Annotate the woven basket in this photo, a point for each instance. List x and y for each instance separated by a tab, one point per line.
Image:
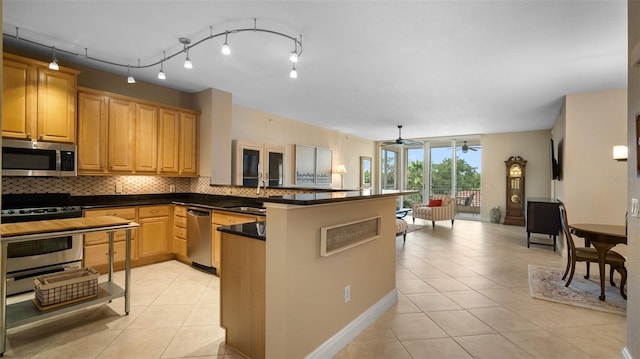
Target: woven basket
65	287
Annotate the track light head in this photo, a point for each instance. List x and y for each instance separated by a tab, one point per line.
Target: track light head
226	50
187	62
293	74
293	57
53	65
130	78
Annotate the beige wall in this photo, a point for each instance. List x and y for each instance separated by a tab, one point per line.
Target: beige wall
305	292
533	146
261	127
594	123
632	349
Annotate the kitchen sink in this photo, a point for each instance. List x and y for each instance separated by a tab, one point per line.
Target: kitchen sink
259	210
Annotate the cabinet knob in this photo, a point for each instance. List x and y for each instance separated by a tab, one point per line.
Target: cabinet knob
28	135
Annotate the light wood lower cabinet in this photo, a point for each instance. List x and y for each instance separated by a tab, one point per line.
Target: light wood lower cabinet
222	218
242	294
96	245
154	244
180	232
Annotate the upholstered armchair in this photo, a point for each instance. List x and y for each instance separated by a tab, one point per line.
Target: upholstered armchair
446	210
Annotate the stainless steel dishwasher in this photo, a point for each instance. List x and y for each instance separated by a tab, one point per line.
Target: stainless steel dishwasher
199	236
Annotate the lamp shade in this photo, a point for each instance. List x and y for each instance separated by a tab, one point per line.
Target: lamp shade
341	169
620	153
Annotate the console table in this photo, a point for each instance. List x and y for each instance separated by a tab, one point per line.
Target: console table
25	312
543	216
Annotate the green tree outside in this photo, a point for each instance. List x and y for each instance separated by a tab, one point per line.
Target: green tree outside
467	177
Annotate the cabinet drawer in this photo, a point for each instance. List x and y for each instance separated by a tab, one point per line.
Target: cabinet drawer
99	254
122	212
153	211
180	222
180	211
180	232
102	237
226	218
180	246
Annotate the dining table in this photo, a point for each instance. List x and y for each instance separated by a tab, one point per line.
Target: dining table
602	237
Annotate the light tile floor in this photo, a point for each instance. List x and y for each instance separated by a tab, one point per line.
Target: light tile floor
463	293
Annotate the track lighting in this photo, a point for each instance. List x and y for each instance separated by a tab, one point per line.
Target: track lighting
130	78
187	61
187	45
226	50
293	74
161	74
53	65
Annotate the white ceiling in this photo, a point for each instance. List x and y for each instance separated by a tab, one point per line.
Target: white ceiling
440	68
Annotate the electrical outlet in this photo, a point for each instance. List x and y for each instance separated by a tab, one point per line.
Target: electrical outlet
634	207
119	188
347	294
172	188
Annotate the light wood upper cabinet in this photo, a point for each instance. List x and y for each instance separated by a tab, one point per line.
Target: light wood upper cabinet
38	103
121	135
146	138
169	138
19	99
188	144
92	132
56	106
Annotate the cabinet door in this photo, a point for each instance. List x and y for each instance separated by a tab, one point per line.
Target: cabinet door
154	236
169	141
19	100
274	165
56	106
188	144
98	255
121	135
248	157
215	248
146	141
92	132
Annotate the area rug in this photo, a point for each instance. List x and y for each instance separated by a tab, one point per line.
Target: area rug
413	227
546	283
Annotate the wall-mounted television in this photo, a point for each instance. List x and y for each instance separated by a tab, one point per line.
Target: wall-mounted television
555	166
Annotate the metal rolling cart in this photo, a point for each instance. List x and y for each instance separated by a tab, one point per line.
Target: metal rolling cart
24	312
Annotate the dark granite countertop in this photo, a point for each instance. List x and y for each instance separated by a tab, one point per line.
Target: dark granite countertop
331	197
255	230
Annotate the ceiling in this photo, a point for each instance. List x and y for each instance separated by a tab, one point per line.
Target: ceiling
440	68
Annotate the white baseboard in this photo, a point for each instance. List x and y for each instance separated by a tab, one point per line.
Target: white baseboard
347	334
625	353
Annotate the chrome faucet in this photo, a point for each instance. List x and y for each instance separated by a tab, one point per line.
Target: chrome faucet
261	183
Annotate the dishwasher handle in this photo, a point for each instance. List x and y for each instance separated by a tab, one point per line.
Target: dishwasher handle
198	213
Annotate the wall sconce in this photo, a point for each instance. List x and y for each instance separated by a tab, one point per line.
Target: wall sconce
620	153
341	170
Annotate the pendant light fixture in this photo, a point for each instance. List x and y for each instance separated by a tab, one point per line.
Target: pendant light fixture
161	74
226	50
53	65
187	61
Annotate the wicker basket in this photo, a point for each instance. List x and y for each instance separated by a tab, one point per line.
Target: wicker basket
53	290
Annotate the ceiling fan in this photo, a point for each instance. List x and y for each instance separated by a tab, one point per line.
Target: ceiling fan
401	141
465	148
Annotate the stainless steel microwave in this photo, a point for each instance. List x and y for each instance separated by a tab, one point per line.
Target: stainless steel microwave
32	158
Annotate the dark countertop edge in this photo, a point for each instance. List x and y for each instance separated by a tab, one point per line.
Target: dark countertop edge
307	199
249	230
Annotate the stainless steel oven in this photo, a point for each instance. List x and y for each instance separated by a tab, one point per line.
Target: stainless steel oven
27	260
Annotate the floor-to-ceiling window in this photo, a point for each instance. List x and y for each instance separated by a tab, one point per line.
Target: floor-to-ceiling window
453	169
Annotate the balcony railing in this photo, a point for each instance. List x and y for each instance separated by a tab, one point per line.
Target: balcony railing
467	200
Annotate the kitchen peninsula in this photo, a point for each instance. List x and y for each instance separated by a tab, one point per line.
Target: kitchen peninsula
310	278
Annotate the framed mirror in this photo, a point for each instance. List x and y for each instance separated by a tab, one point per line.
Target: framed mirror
365	172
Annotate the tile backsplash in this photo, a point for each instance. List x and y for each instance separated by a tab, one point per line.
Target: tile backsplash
109	185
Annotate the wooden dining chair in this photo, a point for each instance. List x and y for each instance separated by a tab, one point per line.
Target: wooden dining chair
589	255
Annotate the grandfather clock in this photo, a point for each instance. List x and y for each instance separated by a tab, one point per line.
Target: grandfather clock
515	191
